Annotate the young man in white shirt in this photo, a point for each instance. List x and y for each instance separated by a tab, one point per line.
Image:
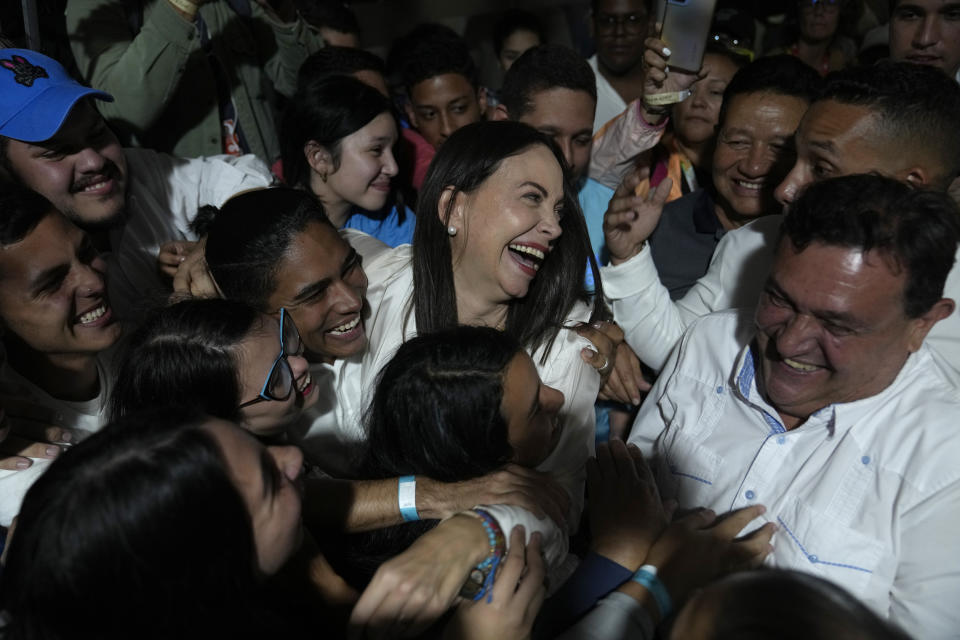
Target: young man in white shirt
895	119
58	327
53	141
827	407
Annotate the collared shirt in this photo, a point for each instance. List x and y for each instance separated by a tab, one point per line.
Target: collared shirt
864	493
609	103
653	324
684	241
385	225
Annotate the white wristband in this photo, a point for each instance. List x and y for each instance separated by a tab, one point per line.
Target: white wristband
407	498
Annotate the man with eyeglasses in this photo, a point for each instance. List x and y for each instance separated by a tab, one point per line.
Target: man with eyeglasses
619	29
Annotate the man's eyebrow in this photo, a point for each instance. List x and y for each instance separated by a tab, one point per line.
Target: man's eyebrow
311	290
350	261
461	98
48	277
824	145
268	473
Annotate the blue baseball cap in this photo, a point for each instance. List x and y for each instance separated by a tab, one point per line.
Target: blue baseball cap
36	95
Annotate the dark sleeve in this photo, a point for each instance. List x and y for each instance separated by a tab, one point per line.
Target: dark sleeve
595	577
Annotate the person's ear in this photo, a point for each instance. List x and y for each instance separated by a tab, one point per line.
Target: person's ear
922	324
915	176
450	210
318	158
500	112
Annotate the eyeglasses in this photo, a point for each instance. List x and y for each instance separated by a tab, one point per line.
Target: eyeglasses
279	382
733	45
631	22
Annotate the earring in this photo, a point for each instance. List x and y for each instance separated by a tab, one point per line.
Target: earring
323	176
451	231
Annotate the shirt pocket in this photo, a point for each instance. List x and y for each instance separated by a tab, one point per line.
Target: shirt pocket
689	471
811	541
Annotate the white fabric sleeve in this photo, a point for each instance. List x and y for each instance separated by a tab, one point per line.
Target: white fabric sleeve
652	323
926	589
620	141
616	617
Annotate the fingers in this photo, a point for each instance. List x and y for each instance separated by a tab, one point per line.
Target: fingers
511	569
630	373
698	519
41	432
15	463
16	446
640	465
622	461
615	389
531	589
593	358
630	182
659	195
734	522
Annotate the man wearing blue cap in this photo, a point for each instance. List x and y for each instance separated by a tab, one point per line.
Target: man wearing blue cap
53	140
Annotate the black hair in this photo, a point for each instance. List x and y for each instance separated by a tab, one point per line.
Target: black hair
778	75
514	20
916	107
647	4
917	229
338	61
185	355
436	412
547	66
790	605
436	408
249	236
464	162
21	210
325	110
330	14
739	60
138	531
435	52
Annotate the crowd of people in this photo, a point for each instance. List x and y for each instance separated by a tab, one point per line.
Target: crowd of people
298	340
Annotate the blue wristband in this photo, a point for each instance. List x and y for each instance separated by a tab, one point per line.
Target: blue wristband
646	576
407	498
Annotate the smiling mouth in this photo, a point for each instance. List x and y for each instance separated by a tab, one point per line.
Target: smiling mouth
528	256
91	316
305	383
799	366
347	327
749	185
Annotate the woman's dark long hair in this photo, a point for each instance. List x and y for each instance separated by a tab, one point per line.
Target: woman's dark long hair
465	161
185	355
325	110
436	407
436	412
137	532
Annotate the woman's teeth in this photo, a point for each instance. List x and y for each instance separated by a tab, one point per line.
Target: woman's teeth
93	315
344	328
304	382
522	248
756	186
95	186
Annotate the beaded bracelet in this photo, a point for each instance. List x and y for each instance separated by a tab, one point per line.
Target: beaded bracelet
480	580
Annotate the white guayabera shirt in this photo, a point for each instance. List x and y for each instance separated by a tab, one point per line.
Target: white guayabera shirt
865	494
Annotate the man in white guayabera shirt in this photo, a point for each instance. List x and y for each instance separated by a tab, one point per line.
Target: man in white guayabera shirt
826	406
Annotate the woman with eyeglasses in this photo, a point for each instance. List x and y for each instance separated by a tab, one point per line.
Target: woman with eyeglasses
220	357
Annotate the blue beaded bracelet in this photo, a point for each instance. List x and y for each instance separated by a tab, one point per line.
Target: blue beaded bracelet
646	576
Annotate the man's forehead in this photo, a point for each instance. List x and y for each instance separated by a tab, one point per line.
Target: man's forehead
621	7
828	118
562	109
47	245
442	89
